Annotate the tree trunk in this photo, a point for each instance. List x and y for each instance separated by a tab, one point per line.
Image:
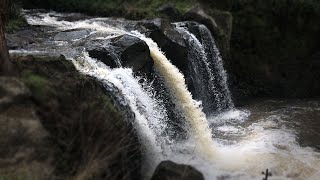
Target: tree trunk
5	63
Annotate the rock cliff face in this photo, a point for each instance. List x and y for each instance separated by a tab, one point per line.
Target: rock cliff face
273	47
59	123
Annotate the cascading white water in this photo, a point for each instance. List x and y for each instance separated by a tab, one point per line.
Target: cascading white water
149	123
203	75
175	82
241	149
206	70
209	45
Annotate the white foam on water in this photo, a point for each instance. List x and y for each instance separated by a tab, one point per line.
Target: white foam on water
229	116
265	145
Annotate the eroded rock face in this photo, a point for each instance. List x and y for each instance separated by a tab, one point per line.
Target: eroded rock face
168	170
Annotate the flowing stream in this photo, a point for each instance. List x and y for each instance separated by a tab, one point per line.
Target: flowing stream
224	142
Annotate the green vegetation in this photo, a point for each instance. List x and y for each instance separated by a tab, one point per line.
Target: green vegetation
131	9
37	84
15	20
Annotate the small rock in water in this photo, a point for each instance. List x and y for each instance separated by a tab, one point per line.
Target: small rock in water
168	170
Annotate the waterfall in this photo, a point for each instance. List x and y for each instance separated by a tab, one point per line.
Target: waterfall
151	118
240	149
175	82
206	69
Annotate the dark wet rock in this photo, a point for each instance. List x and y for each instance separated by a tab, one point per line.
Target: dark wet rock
103	51
219	23
171	43
125	51
71	35
21	39
198	14
170	11
169	40
135	52
168	170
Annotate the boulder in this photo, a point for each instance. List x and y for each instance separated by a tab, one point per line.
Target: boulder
103	51
71	35
168	170
169	40
125	51
135	53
